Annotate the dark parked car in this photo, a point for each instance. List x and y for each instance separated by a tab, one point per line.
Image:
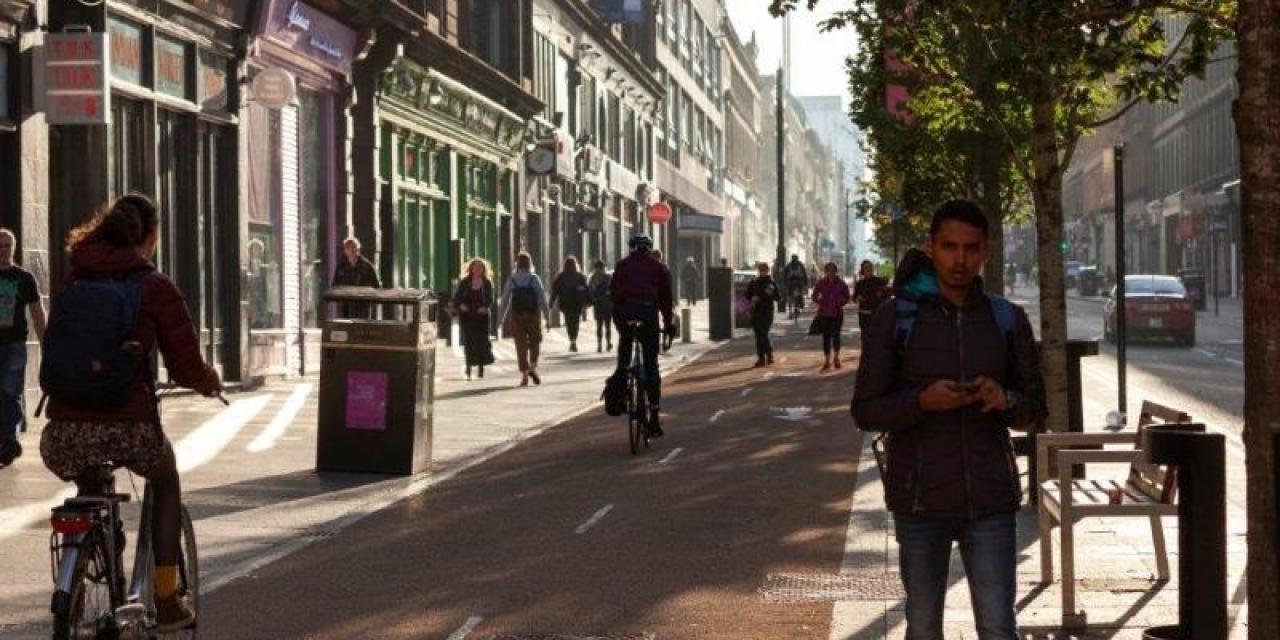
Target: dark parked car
1155	306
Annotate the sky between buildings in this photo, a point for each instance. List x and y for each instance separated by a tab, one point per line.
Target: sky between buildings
817	59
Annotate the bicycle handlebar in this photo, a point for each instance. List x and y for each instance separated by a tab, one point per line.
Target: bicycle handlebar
162	387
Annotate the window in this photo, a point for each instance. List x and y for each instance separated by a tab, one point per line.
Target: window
587	106
544	72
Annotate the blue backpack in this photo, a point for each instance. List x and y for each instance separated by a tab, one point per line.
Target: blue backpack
89	357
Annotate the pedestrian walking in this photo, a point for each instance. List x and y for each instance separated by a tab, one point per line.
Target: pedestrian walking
473	302
601	306
19	297
946	371
524	300
762	295
689	278
569	289
831	293
869	292
355	270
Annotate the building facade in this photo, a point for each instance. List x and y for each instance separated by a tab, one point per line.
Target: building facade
829	118
749	236
595	72
690	174
1181	177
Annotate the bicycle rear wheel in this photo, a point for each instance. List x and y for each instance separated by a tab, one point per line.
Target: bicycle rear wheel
636	419
87	610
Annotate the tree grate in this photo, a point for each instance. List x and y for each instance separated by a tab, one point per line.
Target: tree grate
831	587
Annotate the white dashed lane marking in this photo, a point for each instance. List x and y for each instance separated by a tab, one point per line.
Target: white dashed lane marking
746	392
594	519
671	456
715	416
466	628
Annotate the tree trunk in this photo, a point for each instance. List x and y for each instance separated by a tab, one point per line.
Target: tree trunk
990	160
1258	37
1046	188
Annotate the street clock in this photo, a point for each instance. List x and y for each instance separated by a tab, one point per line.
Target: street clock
541	161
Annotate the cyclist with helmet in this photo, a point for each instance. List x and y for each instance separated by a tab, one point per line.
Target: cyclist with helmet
641	291
119	244
797	281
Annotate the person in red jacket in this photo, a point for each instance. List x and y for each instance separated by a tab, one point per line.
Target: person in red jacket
831	293
641	291
117	244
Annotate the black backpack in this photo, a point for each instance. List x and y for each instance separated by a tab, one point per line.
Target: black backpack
615	394
524	299
90	359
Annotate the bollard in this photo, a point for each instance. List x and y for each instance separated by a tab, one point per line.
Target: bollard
1200	461
686	325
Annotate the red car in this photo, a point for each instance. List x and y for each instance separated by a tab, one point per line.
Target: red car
1155	306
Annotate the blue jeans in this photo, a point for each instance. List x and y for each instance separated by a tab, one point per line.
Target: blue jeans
13	374
989	549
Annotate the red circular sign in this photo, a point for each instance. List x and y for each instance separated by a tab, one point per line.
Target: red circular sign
659	213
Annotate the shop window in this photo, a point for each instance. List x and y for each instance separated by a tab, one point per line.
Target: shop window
317	199
263	251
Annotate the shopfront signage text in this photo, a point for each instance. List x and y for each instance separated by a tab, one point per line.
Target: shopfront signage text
76	80
416	86
126	50
307	31
274	88
214	88
171	67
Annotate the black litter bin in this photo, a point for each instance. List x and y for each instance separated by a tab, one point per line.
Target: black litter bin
720	292
1193	280
377	382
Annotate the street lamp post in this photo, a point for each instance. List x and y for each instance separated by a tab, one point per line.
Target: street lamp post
1120	331
782	180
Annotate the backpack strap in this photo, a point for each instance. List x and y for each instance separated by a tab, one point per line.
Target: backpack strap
905	313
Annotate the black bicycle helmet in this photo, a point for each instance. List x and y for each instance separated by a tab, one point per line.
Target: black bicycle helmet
640	242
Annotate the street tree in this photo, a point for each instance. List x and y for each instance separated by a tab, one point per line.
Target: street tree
1063	69
1258	44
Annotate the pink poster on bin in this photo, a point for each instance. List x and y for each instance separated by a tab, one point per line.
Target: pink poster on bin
367	400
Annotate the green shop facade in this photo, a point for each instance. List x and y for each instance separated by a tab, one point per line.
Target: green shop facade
449	166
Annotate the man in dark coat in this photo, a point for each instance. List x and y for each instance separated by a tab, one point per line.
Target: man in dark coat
355	270
946	392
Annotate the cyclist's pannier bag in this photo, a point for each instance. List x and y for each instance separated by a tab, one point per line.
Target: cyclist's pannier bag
90	359
615	394
524	299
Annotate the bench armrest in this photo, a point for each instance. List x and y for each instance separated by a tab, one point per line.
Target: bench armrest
1047	444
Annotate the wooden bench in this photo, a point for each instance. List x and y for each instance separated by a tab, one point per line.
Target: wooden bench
1148	491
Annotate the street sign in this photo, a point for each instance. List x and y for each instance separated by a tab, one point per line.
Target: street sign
660	213
76	80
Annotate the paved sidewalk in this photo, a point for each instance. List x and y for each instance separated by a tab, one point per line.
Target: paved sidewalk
1115	576
248	473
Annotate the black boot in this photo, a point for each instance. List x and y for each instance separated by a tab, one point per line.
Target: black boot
468	372
481	371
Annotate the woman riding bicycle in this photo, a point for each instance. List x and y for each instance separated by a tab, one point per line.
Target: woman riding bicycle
118	244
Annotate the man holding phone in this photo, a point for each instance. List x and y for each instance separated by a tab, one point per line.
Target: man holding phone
946	386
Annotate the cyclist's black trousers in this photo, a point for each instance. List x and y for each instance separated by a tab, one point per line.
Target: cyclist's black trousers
648	335
761	323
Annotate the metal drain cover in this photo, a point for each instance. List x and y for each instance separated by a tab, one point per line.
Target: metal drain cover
563	636
831	587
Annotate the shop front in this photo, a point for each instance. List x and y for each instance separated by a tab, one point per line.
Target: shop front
12	15
170	130
293	227
450	167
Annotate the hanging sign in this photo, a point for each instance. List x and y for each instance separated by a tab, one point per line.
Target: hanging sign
274	88
76	79
308	31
